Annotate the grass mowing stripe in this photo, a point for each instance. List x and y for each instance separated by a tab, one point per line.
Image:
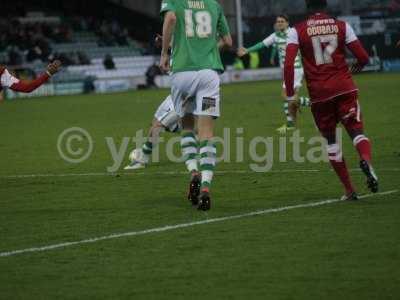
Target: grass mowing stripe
179	226
176	173
146	173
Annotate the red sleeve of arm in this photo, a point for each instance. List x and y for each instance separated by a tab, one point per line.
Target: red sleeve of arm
291	53
29	86
359	53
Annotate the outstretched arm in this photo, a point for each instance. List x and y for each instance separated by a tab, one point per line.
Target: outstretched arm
28	86
268	42
244	51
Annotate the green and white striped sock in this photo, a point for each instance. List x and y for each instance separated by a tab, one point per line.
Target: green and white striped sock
147	149
208	153
189	148
289	118
305	101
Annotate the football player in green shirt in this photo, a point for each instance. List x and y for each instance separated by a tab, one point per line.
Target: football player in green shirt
278	41
195	30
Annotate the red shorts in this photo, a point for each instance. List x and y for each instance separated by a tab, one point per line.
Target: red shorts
343	109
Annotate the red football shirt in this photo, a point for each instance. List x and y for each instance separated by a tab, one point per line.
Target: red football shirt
322	41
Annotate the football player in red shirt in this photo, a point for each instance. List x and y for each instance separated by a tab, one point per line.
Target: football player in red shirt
322	41
27	86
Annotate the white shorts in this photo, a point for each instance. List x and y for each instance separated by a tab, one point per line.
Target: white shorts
196	92
167	116
298	79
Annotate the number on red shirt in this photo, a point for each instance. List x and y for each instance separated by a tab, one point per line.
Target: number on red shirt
323	55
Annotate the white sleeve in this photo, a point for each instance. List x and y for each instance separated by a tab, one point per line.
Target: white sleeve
293	37
7	80
350	34
269	41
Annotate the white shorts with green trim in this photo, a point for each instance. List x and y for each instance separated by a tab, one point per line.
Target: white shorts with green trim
196	92
167	115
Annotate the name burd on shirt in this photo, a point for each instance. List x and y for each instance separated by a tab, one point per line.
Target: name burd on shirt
320	27
196	5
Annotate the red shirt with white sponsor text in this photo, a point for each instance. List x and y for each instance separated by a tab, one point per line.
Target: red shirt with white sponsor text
322	41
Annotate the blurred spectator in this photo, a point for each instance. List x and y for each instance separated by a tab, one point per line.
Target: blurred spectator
14	56
30	42
62	34
105	36
34	53
112	34
88	84
151	74
63	57
109	62
26	42
394	5
122	37
23	35
83	58
74	58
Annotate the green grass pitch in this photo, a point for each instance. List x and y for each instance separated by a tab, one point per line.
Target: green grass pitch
335	251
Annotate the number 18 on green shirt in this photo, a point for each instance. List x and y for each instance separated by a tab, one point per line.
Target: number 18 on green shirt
200	24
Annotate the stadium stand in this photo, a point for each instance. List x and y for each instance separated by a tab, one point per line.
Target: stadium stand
82	36
81	39
129	66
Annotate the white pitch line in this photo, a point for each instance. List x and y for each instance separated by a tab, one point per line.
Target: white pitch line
179	226
104	174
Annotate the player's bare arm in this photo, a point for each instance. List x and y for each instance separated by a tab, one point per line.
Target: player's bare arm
268	42
281	26
168	30
53	67
225	42
242	51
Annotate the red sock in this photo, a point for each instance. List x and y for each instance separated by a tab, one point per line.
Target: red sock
363	146
339	165
341	170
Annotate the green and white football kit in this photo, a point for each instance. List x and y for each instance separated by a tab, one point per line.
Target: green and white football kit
195	59
167	116
195	87
279	40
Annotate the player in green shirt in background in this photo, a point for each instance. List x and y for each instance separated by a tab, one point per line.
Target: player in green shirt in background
196	29
277	40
